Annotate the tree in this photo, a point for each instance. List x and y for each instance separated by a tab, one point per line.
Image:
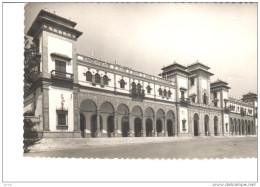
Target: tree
30	135
31	63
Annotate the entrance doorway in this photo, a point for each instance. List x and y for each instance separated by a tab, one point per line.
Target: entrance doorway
196	124
149	127
169	127
206	125
138	127
215	126
82	125
110	126
93	126
158	126
125	126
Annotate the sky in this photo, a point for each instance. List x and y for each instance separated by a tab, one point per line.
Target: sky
149	36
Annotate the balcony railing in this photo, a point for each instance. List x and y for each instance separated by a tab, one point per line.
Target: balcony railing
226	110
184	101
61	75
137	95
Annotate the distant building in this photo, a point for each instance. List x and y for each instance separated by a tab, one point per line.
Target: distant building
78	96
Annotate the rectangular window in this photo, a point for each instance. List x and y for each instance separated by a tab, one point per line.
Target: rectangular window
182	94
60	68
62	119
215	95
193	99
215	103
192	82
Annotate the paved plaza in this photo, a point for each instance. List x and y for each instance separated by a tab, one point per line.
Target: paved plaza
194	147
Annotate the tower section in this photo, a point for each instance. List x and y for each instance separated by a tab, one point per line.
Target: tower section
55	38
179	74
219	98
199	83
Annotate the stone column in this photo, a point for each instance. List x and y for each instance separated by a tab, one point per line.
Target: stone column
98	133
143	132
178	121
154	126
165	127
240	127
45	107
130	132
115	133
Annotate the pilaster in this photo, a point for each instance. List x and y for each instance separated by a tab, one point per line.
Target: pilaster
143	132
131	125
98	133
45	106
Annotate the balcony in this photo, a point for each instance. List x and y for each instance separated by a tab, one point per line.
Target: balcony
226	110
62	79
184	101
242	112
137	96
61	75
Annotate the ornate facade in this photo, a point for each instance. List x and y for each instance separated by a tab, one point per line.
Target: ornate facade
79	96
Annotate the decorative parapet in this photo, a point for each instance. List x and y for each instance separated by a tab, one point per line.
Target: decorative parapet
123	69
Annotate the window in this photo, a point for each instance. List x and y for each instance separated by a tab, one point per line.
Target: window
139	87
192	81
193	99
226	127
160	91
169	93
165	93
133	87
182	94
62	119
89	76
204	98
60	68
215	103
97	78
215	95
148	89
122	83
105	80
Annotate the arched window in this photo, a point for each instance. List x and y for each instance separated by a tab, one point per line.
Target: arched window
169	93
105	80
97	78
165	93
160	91
88	76
133	87
139	88
148	89
122	83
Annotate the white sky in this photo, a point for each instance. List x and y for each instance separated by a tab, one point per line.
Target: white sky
148	36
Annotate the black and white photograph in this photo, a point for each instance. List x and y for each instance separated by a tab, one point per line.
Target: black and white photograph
118	80
140	81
